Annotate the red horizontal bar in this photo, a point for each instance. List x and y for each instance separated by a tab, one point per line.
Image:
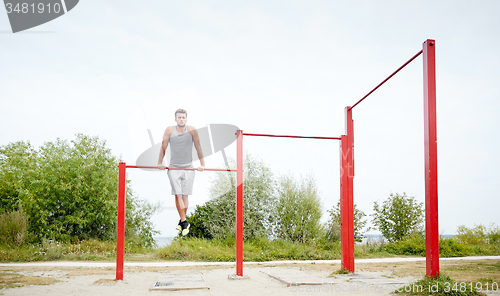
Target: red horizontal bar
300	137
409	61
170	168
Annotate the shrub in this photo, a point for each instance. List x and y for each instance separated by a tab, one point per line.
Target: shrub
333	224
216	218
448	247
139	229
298	210
494	234
471	236
13	227
68	189
398	216
198	219
413	245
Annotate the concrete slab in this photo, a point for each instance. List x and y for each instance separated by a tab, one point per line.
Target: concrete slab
357	282
294	277
357	277
177	282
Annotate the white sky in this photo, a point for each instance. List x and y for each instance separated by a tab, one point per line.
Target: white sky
116	68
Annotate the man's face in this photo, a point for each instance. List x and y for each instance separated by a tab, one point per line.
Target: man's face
181	119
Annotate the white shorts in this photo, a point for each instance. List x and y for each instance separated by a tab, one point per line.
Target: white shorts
181	181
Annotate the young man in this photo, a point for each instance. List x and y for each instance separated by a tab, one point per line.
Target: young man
181	138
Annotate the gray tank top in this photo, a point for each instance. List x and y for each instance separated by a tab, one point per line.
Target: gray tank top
181	149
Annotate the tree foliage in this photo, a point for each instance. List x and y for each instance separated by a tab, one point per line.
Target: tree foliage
216	218
398	216
333	224
298	210
68	189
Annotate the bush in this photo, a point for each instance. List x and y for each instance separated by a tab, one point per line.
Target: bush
139	229
333	224
68	189
413	245
479	235
494	234
448	247
198	219
216	218
298	210
398	216
471	236
13	227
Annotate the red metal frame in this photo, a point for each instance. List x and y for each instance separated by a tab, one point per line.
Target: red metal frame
431	178
346	197
344	204
239	190
239	203
120	231
431	182
120	236
284	136
172	168
346	179
385	80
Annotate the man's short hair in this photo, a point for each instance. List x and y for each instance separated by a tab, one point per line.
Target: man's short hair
180	111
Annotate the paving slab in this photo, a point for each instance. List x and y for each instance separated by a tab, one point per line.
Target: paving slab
177	282
294	277
356	282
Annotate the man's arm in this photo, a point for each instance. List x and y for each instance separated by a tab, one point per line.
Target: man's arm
196	139
164	145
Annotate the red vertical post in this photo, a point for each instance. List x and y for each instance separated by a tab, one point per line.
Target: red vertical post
239	203
120	232
344	205
430	147
348	209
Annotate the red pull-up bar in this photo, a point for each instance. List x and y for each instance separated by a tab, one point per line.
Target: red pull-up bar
120	236
172	168
285	136
390	76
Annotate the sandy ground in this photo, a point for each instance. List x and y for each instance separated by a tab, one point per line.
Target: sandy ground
140	283
138	280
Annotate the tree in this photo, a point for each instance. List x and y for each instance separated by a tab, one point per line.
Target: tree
68	189
298	209
216	218
333	225
398	216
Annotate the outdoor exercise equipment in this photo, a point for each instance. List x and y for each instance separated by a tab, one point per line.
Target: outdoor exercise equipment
120	231
346	148
430	155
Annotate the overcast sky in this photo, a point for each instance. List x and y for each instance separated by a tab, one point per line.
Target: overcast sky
114	69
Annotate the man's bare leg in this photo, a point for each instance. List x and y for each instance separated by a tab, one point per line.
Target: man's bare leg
181	207
186	204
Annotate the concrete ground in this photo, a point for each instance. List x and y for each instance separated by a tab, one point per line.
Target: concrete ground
210	278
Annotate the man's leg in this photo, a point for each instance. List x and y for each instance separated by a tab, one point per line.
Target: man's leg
186	204
181	207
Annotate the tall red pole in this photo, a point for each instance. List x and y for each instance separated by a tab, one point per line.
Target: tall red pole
239	203
344	209
347	204
120	232
430	146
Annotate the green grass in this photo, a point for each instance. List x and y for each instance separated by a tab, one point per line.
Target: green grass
195	249
258	250
50	250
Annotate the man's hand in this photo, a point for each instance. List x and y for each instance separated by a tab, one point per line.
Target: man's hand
161	166
201	168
